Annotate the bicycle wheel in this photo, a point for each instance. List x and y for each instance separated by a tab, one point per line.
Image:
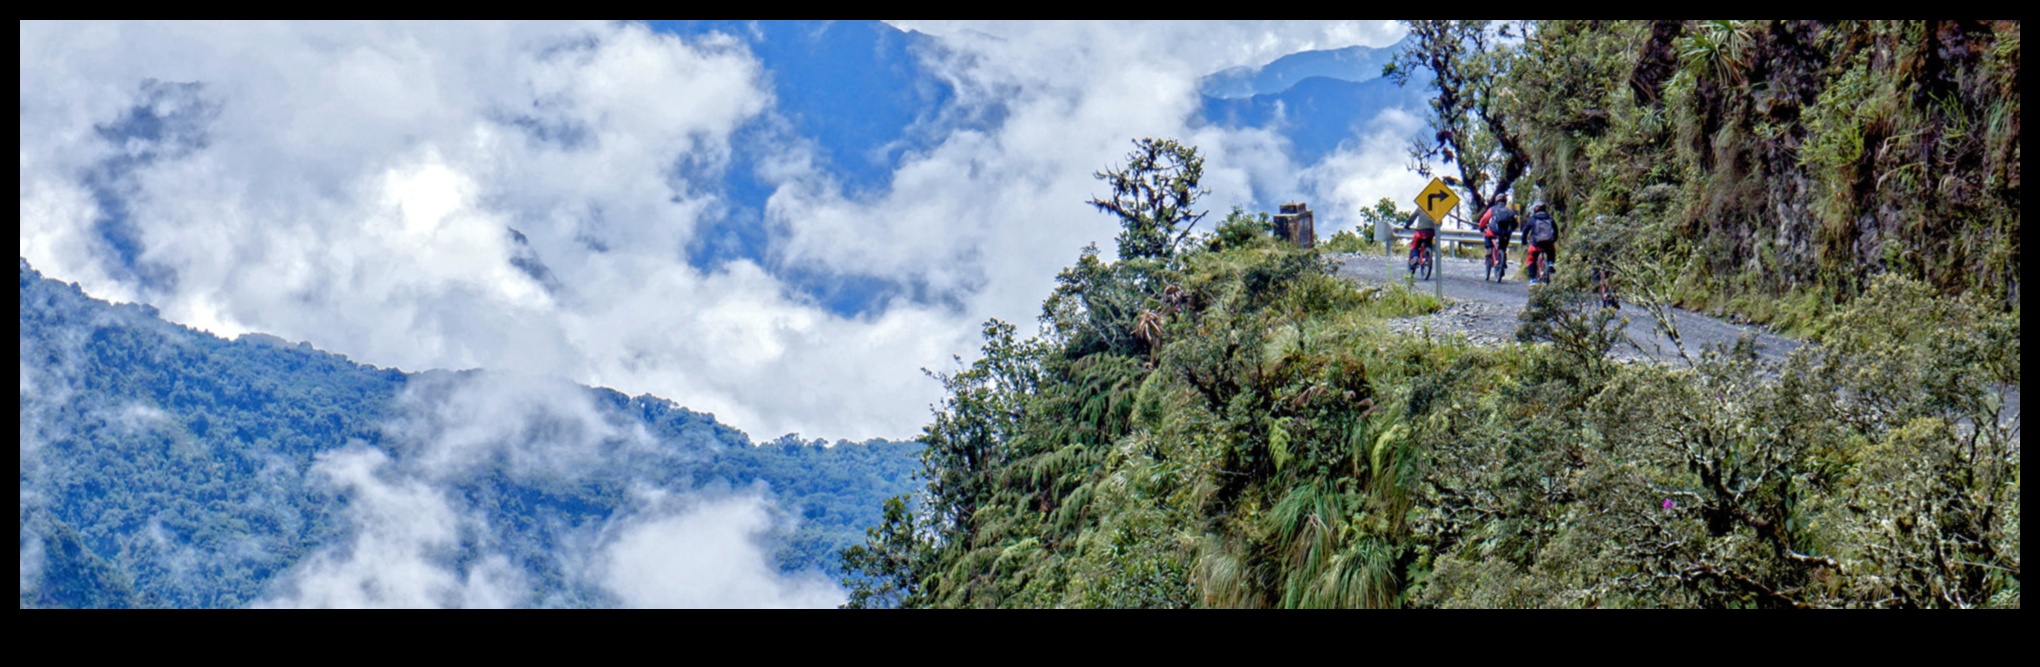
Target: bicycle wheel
1424	264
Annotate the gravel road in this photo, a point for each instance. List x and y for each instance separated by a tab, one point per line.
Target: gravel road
1487	311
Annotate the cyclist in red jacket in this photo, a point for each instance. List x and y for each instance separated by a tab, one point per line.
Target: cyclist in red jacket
1425	237
1496	225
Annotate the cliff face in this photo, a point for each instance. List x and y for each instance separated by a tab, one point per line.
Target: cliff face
1924	175
1781	157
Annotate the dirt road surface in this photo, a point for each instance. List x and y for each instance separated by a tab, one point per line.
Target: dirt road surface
1487	311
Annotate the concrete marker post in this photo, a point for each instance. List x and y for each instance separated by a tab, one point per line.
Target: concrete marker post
1387	238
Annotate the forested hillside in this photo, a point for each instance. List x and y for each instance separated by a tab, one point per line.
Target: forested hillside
162	466
1215	421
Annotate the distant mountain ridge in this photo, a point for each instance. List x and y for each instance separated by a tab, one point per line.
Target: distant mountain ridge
1354	63
1316	100
1317	114
1319	101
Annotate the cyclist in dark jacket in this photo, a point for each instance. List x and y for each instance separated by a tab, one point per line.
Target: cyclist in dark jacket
1497	225
1540	237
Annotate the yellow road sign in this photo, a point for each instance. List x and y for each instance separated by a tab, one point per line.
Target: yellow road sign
1436	200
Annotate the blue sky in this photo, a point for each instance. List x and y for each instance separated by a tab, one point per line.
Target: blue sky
723	214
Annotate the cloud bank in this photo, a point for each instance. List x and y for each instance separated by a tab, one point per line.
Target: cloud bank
707	556
416	537
520	196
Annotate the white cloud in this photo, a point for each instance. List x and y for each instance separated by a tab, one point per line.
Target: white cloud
993	215
708	556
1353	179
410	531
534	427
31	560
354	183
408	528
1201	47
405	532
354	188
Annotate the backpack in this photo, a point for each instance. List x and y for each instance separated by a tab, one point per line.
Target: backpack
1543	229
1502	220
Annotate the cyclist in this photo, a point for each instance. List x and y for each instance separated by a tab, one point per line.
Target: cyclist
1496	225
1426	232
1540	239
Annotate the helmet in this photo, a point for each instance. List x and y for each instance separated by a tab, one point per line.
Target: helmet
1539	206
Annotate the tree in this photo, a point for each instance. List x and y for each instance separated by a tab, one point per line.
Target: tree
1383	211
1153	196
881	573
1469	65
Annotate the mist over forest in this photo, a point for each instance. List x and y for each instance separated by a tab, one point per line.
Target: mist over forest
163	466
428	315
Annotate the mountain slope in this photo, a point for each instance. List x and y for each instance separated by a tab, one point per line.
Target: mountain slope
1317	114
162	466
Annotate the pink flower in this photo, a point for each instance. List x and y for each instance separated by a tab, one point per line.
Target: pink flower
1670	505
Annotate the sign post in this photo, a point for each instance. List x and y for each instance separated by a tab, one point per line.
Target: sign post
1435	201
1386	236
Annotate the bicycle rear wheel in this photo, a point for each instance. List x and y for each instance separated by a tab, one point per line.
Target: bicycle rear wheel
1607	291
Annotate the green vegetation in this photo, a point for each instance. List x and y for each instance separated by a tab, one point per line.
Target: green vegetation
1774	168
1231	426
1362	240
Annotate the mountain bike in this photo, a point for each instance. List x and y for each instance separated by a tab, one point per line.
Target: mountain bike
1538	266
1497	261
1420	265
1604	290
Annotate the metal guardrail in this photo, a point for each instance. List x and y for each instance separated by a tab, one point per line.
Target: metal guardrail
1449	239
1447	235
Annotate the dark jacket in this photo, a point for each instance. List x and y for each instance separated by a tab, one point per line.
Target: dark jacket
1540	228
1501	220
